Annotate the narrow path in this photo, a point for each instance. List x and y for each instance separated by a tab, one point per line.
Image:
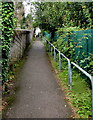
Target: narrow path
39	95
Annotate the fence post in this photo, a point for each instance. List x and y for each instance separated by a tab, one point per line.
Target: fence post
54	54
59	61
69	74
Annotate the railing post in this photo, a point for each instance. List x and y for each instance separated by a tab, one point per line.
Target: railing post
54	54
50	47
45	40
47	47
51	50
59	61
69	74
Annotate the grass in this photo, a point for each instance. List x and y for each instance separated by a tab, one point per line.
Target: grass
80	95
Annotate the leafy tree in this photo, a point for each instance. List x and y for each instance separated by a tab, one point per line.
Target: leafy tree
52	15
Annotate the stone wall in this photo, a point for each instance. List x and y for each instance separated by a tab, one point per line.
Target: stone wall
21	40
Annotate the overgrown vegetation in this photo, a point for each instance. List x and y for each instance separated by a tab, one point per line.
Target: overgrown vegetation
62	18
80	95
53	15
75	47
75	97
65	46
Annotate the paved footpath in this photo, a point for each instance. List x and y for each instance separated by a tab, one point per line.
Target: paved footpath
39	95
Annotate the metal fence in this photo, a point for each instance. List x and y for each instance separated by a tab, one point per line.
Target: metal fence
83	44
51	48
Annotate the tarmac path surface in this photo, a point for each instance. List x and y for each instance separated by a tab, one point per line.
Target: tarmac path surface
39	95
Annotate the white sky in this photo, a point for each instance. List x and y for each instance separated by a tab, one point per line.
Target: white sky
28	7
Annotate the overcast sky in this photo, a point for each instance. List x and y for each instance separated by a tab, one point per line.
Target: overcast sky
27	8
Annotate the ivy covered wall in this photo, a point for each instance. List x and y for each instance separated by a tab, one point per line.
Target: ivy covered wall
7	33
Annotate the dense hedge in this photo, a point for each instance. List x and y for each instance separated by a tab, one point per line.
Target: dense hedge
77	45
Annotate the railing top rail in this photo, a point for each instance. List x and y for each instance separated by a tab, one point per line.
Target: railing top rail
64	56
57	50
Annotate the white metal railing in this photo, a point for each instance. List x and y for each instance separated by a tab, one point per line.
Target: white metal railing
51	47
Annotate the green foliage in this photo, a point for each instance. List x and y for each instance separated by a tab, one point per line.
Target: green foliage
83	103
75	50
89	63
65	46
80	95
7	33
23	22
26	22
53	15
65	17
68	17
